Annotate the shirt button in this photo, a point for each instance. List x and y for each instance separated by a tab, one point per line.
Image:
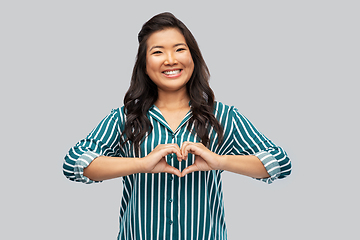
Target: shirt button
170	200
171	178
170	222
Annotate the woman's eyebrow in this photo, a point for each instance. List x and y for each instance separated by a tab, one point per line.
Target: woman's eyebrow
180	44
176	45
155	47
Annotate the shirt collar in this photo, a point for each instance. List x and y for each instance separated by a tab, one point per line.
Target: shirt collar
156	114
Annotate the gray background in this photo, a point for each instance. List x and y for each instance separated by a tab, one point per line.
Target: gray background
290	66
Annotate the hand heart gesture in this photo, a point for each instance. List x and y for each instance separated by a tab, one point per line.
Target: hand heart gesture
205	160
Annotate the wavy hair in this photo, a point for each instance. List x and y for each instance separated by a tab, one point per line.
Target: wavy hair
143	93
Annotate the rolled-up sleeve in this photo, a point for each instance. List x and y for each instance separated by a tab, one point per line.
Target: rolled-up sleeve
249	141
103	140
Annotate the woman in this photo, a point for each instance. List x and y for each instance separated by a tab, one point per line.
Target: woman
171	141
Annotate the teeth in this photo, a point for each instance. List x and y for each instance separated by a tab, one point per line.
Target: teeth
172	72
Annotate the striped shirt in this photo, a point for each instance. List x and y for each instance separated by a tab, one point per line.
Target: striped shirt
162	205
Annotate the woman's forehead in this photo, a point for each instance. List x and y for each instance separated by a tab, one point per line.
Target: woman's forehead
169	37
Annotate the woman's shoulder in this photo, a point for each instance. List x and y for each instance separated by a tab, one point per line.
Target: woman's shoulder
220	107
119	110
117	114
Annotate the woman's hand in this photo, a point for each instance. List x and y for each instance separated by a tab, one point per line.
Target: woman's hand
155	161
205	159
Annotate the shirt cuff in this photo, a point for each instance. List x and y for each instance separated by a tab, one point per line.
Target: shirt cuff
82	162
271	165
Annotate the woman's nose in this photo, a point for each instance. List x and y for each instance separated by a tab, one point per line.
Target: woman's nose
170	59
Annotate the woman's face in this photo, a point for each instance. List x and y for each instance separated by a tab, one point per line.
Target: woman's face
168	60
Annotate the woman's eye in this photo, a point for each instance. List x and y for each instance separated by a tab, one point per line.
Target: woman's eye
180	49
156	52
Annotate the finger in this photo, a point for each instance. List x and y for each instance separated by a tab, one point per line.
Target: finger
177	151
189	169
172	170
171	148
191	148
184	149
167	149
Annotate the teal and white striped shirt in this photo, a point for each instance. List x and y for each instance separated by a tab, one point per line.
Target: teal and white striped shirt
164	206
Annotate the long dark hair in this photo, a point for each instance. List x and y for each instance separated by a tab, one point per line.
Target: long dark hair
143	93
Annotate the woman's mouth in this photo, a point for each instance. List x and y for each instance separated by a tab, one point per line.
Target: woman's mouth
172	73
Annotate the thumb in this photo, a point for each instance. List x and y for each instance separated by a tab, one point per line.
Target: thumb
189	169
172	170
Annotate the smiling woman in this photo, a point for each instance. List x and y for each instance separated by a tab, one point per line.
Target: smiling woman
168	61
171	141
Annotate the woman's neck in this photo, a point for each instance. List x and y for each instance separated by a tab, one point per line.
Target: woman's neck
172	100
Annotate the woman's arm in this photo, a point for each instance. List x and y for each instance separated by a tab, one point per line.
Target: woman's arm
103	140
248	165
103	167
205	160
248	140
248	152
100	155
